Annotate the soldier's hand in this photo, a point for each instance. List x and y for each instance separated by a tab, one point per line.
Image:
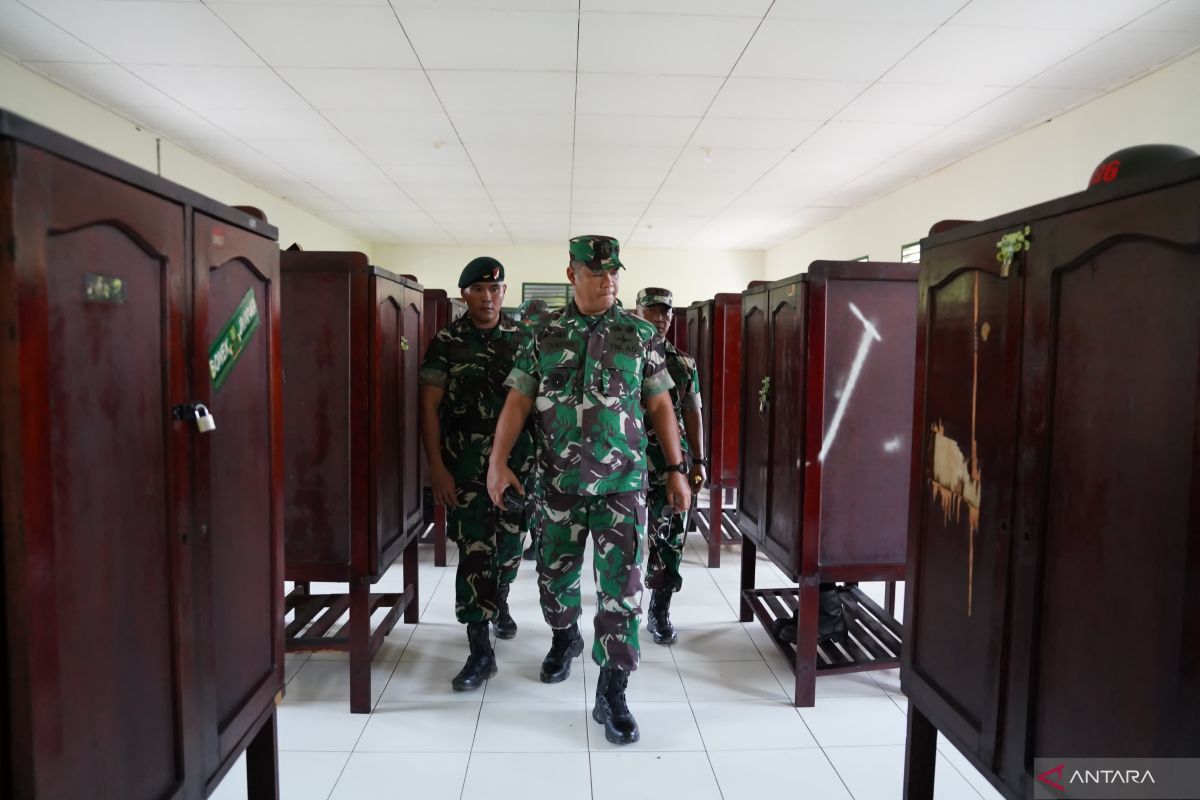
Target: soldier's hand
697	477
678	493
499	478
444	490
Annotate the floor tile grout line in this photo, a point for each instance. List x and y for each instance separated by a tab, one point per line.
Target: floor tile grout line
707	756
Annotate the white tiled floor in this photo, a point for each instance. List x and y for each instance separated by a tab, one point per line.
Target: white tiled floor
714	710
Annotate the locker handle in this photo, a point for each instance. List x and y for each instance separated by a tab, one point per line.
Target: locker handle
404	343
764	394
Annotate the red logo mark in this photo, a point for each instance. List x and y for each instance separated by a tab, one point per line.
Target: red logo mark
1057	773
1106	172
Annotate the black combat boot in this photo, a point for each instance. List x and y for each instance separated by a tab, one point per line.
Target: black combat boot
530	553
481	664
611	709
831	620
567	644
506	626
658	618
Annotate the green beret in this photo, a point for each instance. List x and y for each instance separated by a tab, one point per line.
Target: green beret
599	253
484	268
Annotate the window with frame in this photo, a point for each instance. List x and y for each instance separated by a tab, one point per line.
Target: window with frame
556	295
910	253
861	258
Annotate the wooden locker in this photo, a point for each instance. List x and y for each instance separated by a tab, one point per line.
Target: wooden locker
824	459
1053	608
715	338
125	674
353	483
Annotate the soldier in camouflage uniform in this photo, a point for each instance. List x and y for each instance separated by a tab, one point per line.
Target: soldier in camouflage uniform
594	372
462	392
666	532
531	313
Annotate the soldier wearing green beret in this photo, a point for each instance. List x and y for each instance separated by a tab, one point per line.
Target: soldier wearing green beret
462	392
594	372
666	533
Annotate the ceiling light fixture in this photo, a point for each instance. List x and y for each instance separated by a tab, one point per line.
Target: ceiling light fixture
707	154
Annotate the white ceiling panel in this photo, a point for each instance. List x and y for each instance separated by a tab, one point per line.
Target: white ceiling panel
522	164
918	103
717	132
485	40
292	124
535	92
607	157
1117	58
320	162
177	123
723	8
483	128
401	129
364	89
675	96
203	88
1076	15
1175	15
828	51
778	98
873	11
378	195
151	32
321	36
662	44
502	132
486	5
986	56
600	176
1025	106
612	200
643	131
740	160
109	84
28	36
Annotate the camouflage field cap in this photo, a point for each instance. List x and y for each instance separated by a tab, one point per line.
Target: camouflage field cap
654	296
484	268
599	253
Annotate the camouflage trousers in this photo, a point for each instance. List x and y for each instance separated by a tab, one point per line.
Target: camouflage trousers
617	523
489	552
665	543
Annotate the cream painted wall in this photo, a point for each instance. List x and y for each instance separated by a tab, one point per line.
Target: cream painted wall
1049	161
689	274
39	99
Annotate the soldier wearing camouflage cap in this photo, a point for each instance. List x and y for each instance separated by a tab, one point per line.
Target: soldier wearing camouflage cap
666	534
594	372
462	392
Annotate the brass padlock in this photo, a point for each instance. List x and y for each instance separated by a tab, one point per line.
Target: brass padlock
205	421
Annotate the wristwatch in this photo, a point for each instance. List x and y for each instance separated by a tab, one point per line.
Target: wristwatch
701	461
681	468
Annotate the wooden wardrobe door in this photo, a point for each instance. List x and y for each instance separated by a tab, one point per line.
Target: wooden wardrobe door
755	413
412	315
966	386
1108	497
103	487
387	424
240	591
785	492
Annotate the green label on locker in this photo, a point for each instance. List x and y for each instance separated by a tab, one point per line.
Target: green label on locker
231	341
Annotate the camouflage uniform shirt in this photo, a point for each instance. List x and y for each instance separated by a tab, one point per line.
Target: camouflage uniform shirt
685	396
471	365
588	376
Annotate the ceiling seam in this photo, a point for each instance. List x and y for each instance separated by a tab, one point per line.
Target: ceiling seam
824	124
575	117
453	127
